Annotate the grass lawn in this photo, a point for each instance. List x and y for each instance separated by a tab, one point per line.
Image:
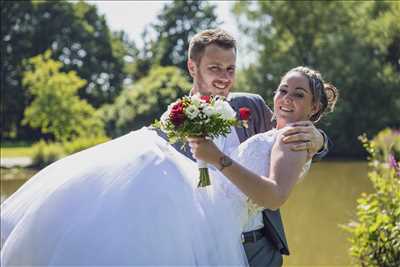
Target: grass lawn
20	149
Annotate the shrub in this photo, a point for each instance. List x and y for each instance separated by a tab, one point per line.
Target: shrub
375	237
83	143
45	153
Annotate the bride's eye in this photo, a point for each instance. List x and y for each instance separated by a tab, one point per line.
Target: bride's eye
299	95
282	91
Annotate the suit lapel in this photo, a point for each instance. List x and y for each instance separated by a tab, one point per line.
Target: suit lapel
241	133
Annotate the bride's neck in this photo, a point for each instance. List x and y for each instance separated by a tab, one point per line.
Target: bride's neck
280	123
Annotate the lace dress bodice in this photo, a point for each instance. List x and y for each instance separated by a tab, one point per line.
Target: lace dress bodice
255	155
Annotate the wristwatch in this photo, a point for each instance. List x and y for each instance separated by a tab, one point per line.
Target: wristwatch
225	161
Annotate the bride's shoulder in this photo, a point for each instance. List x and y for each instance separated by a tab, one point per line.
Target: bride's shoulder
259	140
271	134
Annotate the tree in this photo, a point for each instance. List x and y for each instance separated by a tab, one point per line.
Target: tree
140	104
56	109
167	39
78	36
16	36
354	44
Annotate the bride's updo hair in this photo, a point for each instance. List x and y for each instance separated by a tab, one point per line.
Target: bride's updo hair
323	93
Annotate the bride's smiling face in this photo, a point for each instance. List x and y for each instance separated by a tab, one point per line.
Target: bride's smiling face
293	100
215	73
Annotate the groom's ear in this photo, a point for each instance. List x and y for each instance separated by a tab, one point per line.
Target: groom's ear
191	65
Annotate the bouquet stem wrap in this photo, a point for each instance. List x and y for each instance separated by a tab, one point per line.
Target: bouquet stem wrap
204	179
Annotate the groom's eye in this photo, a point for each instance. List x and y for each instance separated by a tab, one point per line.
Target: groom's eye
214	68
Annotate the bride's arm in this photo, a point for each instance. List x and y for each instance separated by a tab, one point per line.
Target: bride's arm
269	192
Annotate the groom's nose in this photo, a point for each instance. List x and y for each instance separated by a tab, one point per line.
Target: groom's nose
225	76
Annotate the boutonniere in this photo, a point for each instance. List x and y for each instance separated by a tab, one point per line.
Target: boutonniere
244	114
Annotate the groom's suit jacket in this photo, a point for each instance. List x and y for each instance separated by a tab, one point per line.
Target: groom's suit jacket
259	122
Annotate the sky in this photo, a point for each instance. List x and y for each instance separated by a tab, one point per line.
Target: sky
133	16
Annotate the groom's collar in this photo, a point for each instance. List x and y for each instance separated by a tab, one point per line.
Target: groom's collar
229	97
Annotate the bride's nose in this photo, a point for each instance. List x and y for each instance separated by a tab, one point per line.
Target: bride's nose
287	98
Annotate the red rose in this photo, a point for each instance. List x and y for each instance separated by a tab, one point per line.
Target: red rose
206	98
244	113
177	115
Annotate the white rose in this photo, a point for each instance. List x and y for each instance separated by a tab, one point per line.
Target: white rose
223	108
192	112
209	110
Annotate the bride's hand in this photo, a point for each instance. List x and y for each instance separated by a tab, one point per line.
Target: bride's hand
204	149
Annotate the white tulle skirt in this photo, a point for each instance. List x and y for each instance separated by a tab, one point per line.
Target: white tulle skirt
130	201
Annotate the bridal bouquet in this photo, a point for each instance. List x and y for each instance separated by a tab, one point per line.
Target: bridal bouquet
197	115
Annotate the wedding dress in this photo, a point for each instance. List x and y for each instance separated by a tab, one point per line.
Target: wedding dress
131	201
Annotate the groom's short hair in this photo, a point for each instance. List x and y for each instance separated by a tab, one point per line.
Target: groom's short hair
201	40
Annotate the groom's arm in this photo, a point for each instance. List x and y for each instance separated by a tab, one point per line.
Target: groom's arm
325	148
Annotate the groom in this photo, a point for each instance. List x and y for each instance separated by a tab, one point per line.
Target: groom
211	63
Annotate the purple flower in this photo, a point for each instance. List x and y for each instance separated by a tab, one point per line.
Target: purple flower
394	164
392	161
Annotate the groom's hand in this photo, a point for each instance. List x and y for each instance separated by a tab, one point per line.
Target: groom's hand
304	137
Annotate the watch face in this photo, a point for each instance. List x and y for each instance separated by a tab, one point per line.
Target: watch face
226	161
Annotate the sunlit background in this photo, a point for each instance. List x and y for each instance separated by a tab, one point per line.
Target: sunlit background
79	73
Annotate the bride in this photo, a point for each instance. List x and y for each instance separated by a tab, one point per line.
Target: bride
134	200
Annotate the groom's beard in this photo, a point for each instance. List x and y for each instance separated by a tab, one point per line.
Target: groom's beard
208	89
201	85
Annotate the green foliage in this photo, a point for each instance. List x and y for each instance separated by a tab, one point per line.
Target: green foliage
56	109
78	37
146	100
83	143
355	45
45	153
375	237
166	40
